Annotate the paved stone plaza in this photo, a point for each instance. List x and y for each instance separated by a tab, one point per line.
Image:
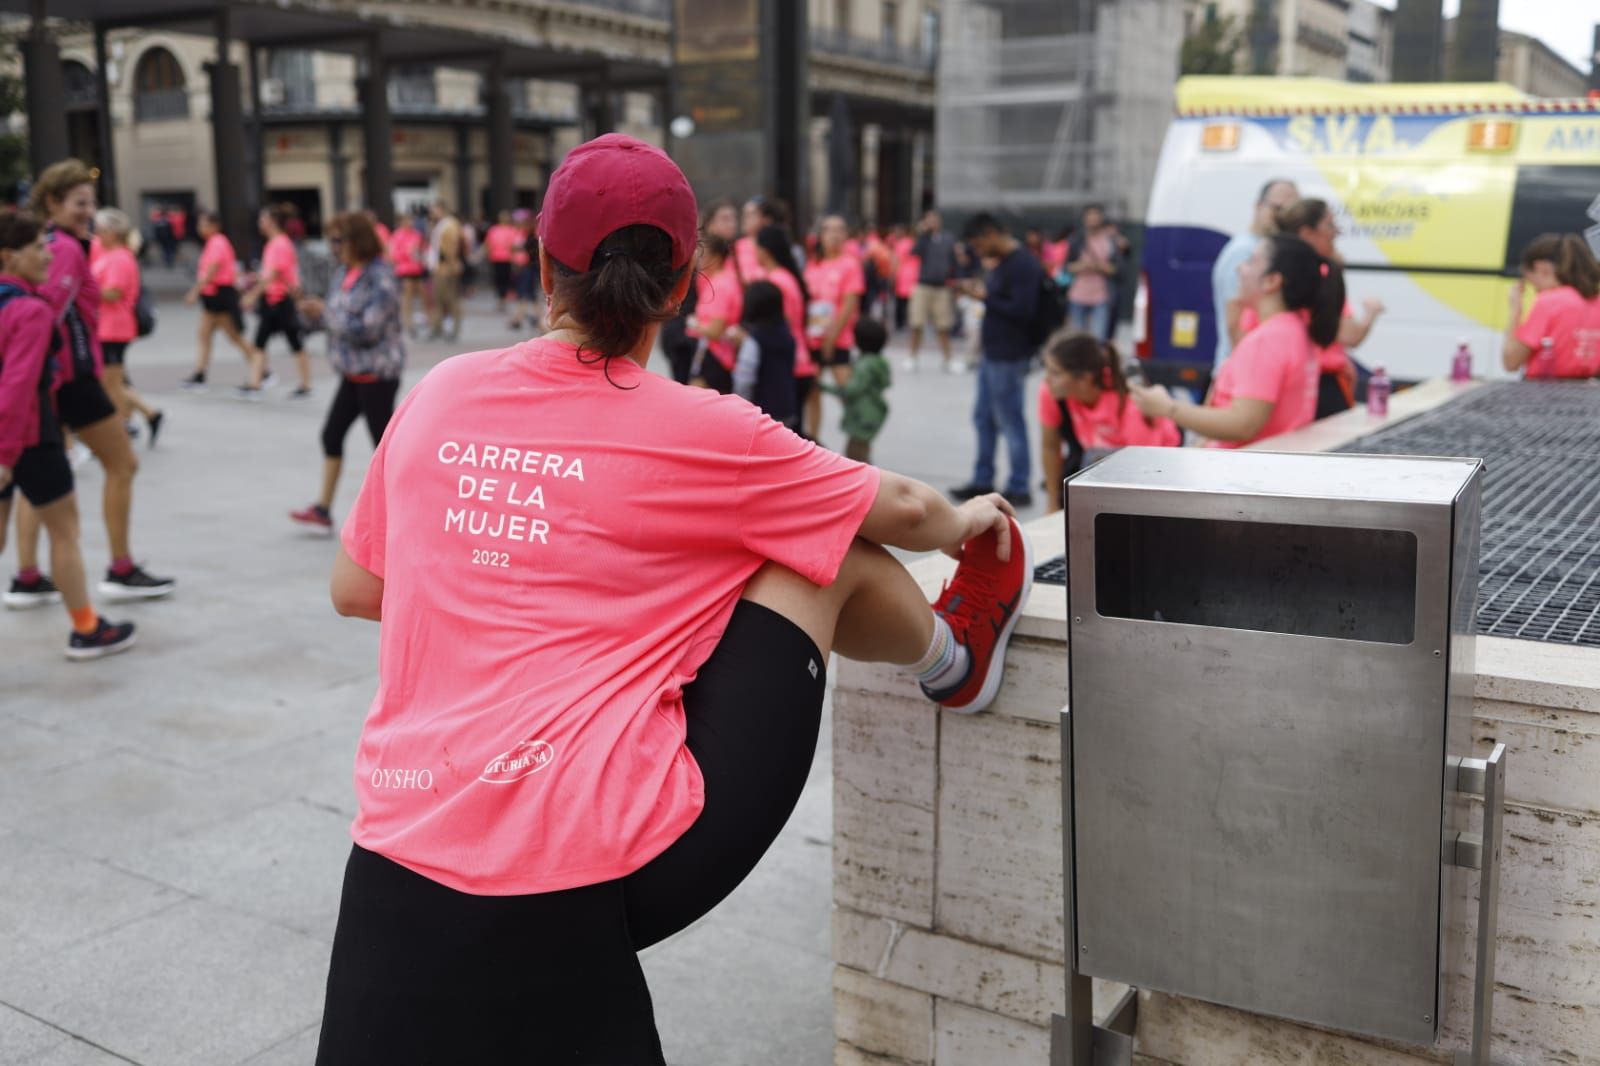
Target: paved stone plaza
174	821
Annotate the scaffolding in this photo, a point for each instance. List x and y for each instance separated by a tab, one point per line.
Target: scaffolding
1045	106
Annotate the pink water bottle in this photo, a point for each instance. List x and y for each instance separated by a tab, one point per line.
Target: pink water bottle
1378	394
1461	365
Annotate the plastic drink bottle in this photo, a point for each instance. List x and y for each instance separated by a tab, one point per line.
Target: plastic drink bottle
1378	394
1461	365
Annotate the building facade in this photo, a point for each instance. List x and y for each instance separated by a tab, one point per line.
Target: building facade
873	57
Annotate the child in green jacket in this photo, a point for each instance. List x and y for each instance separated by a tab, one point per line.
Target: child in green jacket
865	408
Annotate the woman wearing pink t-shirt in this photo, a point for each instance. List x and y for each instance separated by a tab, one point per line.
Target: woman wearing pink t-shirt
836	283
499	245
718	306
279	288
775	263
1085	410
1268	385
1560	338
64	196
116	271
216	290
607	605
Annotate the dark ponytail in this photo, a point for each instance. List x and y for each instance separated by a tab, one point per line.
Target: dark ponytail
626	290
1569	254
776	242
1077	352
1310	282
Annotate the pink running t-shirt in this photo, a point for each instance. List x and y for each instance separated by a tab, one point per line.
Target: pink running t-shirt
1275	362
719	297
218	252
794	313
830	281
499	242
745	259
1110	424
1573	326
561	546
279	255
406	248
117	270
1333	359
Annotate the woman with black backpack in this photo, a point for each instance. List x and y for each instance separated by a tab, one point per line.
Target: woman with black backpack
365	346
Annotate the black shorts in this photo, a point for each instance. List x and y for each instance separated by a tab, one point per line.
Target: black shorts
502	278
425	974
83	401
841	357
114	352
225	301
42	473
281	317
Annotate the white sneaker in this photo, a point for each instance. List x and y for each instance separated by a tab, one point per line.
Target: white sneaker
908	363
79	454
270	379
956	366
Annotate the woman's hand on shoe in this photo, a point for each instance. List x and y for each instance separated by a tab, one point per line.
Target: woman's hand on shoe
984	514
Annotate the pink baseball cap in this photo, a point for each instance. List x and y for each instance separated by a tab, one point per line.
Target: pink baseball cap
611	182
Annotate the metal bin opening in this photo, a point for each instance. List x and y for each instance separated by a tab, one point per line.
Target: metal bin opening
1266	577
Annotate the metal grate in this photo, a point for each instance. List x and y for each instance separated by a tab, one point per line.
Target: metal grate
1539	571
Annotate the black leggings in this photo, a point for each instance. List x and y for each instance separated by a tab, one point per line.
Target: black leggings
423	975
373	400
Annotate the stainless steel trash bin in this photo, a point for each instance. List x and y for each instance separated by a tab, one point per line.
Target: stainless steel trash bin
1271	681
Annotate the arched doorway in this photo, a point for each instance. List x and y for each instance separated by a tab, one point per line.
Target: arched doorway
160	91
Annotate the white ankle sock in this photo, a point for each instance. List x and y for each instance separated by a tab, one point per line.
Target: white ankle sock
945	662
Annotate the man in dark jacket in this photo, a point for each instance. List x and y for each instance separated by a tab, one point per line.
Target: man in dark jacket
1010	302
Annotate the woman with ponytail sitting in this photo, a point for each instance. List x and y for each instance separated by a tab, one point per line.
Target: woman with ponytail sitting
1084	410
1560	338
1268	385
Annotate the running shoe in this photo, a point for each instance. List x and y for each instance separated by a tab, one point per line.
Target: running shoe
108	638
136	584
195	382
133	429
302	392
981	604
269	379
79	454
315	517
40	592
908	363
1018	499
155	426
248	393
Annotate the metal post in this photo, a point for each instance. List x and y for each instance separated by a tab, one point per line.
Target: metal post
502	176
227	138
256	146
377	135
109	193
463	206
340	163
1072	1032
41	69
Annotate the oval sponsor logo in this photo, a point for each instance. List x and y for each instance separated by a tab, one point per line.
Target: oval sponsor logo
526	758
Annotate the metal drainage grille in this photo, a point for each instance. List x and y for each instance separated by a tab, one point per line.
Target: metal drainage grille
1539	571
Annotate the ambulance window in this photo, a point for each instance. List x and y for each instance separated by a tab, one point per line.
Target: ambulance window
1549	200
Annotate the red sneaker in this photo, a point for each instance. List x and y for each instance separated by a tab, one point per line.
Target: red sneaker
315	517
982	603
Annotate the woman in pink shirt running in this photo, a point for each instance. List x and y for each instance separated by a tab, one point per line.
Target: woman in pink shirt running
607	605
1560	338
1268	385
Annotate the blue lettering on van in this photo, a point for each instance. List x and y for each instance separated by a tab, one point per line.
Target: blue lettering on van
1380	134
1576	138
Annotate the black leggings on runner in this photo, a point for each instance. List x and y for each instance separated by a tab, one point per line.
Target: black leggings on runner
373	400
423	975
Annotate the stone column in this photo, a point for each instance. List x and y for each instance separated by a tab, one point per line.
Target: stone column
377	136
109	193
497	108
228	140
41	69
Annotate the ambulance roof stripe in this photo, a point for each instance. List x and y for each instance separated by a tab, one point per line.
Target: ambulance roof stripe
1543	107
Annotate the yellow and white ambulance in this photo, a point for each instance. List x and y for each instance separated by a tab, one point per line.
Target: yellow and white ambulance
1437	189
